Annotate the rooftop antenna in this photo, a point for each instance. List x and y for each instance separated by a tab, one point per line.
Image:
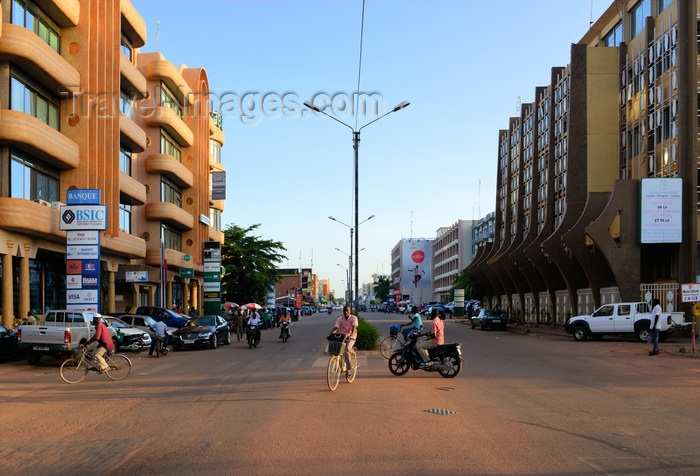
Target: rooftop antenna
591	24
158	35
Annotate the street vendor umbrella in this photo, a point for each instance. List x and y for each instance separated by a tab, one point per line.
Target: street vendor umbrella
230	305
252	305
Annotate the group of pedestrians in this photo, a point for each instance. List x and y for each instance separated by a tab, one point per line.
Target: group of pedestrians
265	318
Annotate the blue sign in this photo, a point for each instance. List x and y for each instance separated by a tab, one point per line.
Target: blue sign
83	196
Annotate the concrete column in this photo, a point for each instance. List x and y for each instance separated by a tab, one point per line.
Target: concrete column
24	281
111	294
8	311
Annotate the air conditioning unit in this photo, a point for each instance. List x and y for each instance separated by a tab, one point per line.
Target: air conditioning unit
57	205
43	202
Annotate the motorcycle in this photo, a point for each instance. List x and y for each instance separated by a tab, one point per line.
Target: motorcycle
446	358
330	310
132	342
284	332
253	335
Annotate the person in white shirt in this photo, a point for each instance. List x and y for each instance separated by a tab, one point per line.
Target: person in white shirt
655	326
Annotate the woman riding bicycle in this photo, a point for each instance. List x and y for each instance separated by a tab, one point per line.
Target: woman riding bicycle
347	325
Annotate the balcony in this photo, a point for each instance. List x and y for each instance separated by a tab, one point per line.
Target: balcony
131	134
170	167
176	259
25	49
131	191
158	69
215	132
44	222
124	244
133	25
135	81
169	120
216	235
64	12
33	136
170	213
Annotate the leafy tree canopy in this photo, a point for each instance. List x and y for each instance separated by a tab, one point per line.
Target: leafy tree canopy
472	287
382	288
249	265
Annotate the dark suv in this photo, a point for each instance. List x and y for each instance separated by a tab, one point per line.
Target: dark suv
171	318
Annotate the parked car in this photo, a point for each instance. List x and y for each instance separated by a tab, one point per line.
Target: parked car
489	318
8	343
202	331
145	323
305	311
126	329
171	318
442	312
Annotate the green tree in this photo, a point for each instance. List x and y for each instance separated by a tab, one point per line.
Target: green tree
382	288
249	264
467	281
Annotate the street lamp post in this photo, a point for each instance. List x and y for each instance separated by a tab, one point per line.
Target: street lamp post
356	147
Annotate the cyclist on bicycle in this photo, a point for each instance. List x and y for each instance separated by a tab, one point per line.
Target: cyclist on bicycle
104	342
159	328
347	325
416	324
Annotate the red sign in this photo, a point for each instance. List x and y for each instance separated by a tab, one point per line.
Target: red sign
418	256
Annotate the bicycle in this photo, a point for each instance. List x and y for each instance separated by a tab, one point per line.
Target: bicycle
337	364
390	344
75	369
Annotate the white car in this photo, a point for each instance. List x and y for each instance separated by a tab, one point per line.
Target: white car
145	323
127	329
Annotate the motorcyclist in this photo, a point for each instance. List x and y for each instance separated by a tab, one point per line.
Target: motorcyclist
416	324
104	342
254	320
160	331
437	337
288	319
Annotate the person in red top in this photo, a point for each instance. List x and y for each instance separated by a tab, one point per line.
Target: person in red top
347	324
437	337
104	342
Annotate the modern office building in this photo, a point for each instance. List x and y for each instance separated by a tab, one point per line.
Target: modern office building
597	178
452	252
82	108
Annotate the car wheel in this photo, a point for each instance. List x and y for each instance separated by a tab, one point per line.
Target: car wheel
214	342
473	325
643	334
228	338
482	327
580	333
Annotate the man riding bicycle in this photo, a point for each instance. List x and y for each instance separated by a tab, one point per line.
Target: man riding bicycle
347	325
104	342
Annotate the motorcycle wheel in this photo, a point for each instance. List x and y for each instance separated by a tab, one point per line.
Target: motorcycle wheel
456	366
284	336
398	365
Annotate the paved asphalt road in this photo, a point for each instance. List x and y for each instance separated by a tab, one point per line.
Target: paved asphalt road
525	403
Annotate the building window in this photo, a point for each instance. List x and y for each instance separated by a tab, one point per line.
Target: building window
169	100
124	103
215	151
32	99
171	238
169	146
637	16
215	218
170	193
614	38
126	48
125	217
29	16
32	180
125	161
662	5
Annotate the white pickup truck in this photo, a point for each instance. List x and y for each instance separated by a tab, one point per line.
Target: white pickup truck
618	318
61	331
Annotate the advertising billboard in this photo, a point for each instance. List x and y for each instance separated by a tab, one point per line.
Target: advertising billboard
416	263
661	203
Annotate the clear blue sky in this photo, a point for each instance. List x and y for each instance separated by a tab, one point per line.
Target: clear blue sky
462	65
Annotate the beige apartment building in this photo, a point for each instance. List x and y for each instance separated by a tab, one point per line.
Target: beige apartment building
597	178
82	108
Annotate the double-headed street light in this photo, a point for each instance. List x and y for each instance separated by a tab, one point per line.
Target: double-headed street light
350	262
356	147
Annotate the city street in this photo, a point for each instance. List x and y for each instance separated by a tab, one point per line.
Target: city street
524	403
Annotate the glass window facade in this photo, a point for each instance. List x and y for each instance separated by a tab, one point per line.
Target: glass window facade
30	16
637	16
32	99
170	193
169	146
32	180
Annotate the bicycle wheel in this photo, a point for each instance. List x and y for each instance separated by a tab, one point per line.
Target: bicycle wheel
333	375
119	367
73	370
389	345
350	376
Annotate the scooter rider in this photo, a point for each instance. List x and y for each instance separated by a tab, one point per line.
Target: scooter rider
416	324
254	320
437	337
288	319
